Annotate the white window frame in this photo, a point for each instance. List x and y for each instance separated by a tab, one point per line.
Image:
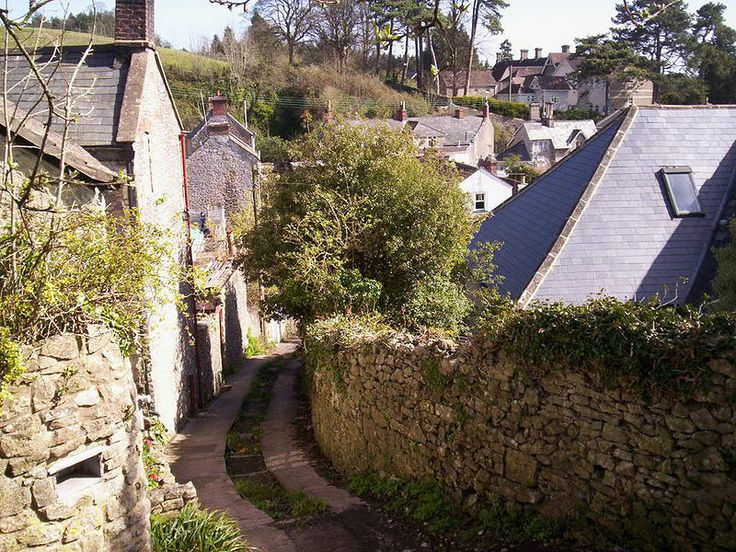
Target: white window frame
481	201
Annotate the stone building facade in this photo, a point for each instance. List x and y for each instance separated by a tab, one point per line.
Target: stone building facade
660	472
71	474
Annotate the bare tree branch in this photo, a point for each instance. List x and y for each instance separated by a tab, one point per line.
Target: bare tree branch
640	19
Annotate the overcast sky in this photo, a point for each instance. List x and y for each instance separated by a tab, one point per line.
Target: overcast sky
528	24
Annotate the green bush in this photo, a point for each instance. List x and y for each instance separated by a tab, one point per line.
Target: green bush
273	149
196	530
256	346
499	107
437	302
11	363
725	282
658	348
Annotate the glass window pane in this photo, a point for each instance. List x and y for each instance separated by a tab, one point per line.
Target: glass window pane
681	189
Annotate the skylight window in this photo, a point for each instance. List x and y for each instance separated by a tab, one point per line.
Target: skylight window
681	191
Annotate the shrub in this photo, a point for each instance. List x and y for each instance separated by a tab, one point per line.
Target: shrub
256	346
362	224
196	530
500	107
725	282
659	348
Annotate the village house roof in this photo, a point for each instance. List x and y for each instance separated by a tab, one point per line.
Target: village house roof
33	132
106	94
604	219
562	134
455	131
546	82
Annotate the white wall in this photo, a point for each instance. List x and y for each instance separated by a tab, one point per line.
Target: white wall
495	189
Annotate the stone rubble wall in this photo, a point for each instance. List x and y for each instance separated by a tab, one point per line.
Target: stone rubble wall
662	473
77	395
210	357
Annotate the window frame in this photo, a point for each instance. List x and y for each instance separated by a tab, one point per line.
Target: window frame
476	201
665	172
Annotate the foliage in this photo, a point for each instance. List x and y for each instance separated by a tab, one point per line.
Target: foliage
573	114
500	107
277	502
681	89
437	302
610	60
655	347
151	464
513	165
257	346
425	501
725	281
360	224
82	267
11	363
197	277
273	149
196	530
432	375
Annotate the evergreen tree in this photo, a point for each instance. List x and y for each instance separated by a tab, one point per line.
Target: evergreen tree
714	57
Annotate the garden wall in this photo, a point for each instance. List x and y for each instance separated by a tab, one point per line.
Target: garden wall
71	475
660	472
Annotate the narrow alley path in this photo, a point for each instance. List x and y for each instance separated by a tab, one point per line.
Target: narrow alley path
197	454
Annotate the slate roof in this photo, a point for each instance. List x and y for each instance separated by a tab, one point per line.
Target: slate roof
547	82
562	133
478	79
519	148
238	133
455	131
600	220
98	89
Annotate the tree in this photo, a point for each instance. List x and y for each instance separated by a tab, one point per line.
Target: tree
361	223
663	39
714	57
293	20
336	29
681	89
725	281
487	13
506	49
610	61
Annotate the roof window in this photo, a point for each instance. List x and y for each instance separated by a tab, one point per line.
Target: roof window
681	191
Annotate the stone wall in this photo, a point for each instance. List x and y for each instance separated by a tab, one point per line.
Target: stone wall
75	403
662	473
210	356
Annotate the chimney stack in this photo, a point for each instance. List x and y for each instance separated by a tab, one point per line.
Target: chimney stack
486	109
218	121
535	112
134	23
565	48
524	55
458	113
537	53
549	114
401	114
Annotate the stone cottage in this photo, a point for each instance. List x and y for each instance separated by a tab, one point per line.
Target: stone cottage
126	119
223	169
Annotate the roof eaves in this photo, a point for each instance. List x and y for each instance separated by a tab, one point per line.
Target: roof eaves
160	66
529	292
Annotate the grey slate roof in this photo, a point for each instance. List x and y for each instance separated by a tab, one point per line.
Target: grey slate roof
562	133
622	239
97	92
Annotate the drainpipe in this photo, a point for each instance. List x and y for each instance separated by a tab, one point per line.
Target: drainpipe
190	264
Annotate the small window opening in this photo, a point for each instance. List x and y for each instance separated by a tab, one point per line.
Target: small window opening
480	202
681	191
76	473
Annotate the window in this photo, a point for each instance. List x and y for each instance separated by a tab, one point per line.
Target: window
480	202
681	191
75	474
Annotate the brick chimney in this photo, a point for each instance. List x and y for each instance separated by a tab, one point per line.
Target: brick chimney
134	23
401	114
486	109
458	113
565	48
218	121
524	54
537	53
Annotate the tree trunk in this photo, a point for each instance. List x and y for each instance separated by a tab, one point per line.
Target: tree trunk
406	58
378	57
471	44
418	60
390	60
290	44
436	77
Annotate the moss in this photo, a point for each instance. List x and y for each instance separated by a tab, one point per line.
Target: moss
433	378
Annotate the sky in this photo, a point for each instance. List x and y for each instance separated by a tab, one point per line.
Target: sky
528	24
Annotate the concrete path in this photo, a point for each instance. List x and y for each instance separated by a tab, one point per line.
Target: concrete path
281	451
197	454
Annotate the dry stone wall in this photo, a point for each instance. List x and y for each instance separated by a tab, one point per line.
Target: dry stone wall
71	475
660	473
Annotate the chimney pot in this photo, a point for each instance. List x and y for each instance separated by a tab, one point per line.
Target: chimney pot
486	109
458	113
565	48
524	54
401	114
537	53
549	114
134	23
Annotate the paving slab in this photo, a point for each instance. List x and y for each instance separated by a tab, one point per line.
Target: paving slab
197	454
